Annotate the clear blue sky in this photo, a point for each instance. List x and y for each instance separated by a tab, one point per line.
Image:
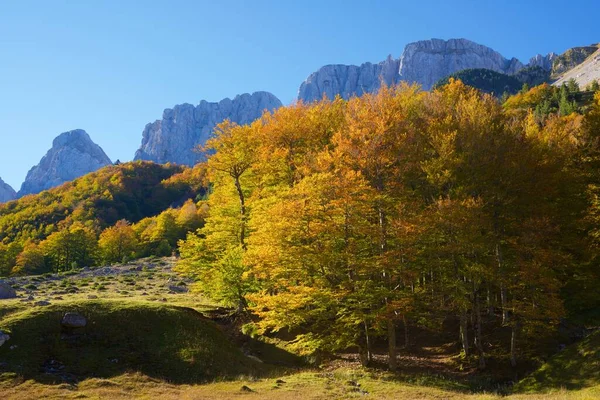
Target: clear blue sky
110	67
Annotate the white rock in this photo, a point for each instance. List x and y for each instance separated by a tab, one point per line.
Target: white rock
424	62
544	62
183	128
73	154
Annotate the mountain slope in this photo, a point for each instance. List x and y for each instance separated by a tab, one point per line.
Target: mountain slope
576	367
73	154
7	193
130	191
584	66
183	128
485	80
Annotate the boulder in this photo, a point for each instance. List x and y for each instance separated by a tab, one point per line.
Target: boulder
73	320
6	291
178	289
3	338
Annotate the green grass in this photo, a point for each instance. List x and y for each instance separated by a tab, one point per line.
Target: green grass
176	344
576	367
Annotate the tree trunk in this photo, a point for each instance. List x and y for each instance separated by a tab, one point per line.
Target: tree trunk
503	294
504	300
464	336
477	330
513	343
364	346
490	302
392	345
240	192
406	332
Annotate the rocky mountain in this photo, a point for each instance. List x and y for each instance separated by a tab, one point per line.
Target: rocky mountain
7	193
348	80
579	63
175	137
428	61
544	62
571	58
72	155
424	62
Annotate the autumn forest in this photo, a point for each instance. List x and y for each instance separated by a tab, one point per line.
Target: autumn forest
351	224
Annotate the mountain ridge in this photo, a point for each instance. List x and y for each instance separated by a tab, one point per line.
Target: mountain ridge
184	127
7	193
73	154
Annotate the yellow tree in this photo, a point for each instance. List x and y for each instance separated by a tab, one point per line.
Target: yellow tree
380	139
311	253
214	254
117	243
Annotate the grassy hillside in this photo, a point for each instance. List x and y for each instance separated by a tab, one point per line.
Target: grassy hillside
146	337
161	341
576	367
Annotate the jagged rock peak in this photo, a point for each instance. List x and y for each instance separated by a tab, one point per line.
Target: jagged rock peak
184	127
7	193
348	80
427	61
544	62
424	62
73	154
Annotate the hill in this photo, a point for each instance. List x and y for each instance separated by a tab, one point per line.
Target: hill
173	343
485	80
576	367
584	63
130	191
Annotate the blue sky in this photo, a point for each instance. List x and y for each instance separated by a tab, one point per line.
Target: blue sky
110	67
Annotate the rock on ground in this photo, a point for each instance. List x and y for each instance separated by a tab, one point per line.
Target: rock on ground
6	291
3	338
73	320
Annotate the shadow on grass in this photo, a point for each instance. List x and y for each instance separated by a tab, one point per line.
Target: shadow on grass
174	344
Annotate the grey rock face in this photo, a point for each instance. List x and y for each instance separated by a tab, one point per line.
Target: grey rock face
73	320
424	62
348	80
428	61
73	154
6	291
544	62
7	193
183	128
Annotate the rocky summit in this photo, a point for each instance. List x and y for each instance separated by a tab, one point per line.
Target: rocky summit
348	80
7	193
176	137
424	62
73	154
